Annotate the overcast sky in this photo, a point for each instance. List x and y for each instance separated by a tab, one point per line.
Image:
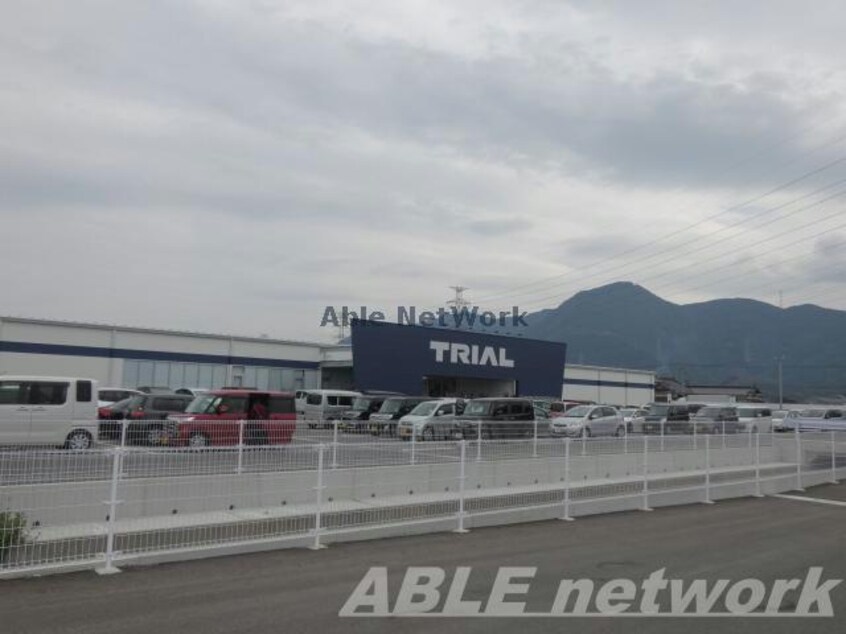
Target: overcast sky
235	166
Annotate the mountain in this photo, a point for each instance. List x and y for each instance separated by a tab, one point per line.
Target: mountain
724	342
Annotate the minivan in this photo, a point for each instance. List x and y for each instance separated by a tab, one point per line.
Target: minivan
755	419
357	418
321	406
497	418
715	419
108	395
669	418
215	418
41	410
431	420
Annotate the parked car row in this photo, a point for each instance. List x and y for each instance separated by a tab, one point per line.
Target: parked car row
107	396
702	418
63	411
213	417
813	419
490	418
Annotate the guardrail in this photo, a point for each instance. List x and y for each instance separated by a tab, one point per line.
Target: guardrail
129	501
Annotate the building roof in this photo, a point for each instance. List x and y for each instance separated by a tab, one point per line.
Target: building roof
162	331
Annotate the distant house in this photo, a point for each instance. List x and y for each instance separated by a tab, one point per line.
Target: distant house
669	389
736	393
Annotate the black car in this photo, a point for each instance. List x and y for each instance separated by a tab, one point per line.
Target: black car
716	420
669	418
393	408
497	418
143	413
357	418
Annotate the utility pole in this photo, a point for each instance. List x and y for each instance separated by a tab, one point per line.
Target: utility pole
780	382
459	301
781	351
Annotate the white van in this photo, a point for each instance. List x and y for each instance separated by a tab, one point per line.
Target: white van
318	406
45	410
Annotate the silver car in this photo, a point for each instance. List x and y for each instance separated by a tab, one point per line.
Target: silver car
589	420
779	418
431	420
633	418
755	419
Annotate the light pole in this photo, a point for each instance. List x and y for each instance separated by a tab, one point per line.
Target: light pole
780	382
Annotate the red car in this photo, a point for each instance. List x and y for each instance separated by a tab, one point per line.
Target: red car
214	418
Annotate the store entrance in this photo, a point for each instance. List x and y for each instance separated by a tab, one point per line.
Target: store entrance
464	387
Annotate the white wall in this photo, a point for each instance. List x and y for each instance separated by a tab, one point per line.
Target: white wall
115	371
609	394
60	365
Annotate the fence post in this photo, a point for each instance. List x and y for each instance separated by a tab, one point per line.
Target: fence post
662	434
240	468
750	437
584	440
708	499
833	458
693	424
462	476
799	486
758	493
318	499
335	444
479	441
414	443
567	517
645	505
724	434
109	567
535	441
626	438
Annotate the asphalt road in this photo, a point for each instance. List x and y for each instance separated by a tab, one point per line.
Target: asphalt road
302	591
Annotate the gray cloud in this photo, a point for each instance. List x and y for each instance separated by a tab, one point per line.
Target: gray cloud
278	153
498	227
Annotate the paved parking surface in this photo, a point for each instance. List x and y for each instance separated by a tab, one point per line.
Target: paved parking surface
302	591
33	465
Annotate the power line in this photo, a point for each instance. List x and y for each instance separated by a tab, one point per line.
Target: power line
600	306
781	187
722	255
705	247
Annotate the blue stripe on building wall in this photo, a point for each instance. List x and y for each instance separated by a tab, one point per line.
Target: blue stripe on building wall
600	383
149	355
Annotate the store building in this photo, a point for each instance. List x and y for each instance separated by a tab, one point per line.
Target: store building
447	362
410	359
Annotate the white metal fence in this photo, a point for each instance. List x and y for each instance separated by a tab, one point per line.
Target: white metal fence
143	497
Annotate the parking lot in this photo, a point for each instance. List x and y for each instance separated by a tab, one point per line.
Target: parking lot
341	450
302	591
